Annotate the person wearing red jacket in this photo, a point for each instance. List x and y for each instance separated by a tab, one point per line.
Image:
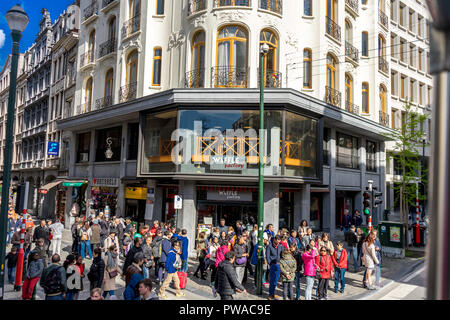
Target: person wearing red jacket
154	228
323	261
340	266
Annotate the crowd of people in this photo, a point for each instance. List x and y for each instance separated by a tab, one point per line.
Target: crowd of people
227	256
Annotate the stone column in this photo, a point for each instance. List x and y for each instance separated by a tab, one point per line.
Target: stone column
302	204
272	204
329	200
120	207
150	205
187	216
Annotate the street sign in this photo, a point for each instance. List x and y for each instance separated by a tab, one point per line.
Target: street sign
178	203
53	148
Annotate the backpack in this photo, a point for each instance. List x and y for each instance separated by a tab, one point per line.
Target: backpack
52	283
177	263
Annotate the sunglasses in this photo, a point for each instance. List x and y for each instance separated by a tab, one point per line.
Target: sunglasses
323	250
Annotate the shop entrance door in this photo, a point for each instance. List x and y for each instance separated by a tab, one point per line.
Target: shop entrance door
234	212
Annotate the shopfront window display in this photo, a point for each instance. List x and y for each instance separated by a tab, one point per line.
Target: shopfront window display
103	199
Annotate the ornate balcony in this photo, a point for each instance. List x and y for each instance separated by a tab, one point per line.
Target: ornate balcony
103	102
352	4
195	79
272	79
384	119
131	26
128	92
332	97
272	5
350	107
226	77
90	10
383	19
86	58
333	29
383	65
351	52
107	47
232	3
196	6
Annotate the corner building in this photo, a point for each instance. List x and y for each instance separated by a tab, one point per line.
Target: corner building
167	101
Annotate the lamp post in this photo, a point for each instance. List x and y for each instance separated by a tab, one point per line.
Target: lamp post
259	267
438	257
17	21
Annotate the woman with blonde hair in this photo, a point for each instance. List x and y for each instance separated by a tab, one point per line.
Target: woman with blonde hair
369	259
325	241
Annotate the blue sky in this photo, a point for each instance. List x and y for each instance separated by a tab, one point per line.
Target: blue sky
33	9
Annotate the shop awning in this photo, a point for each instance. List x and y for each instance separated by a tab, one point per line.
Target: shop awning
48	186
74	183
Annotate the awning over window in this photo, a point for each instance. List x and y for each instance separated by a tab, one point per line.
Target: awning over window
44	189
74	183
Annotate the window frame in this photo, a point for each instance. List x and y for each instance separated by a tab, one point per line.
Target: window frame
367	97
160	4
307	61
365	39
155	59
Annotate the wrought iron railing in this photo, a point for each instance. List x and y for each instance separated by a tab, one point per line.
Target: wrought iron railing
90	10
107	2
351	52
128	92
195	78
383	65
272	5
272	79
332	96
232	3
107	47
229	77
350	107
196	6
333	29
384	119
131	26
85	107
383	18
86	58
353	4
103	102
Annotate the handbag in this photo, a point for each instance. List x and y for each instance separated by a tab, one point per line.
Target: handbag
241	260
113	273
318	275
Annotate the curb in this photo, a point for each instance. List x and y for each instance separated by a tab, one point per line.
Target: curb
388	283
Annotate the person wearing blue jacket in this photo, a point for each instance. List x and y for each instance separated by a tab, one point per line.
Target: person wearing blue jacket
184	249
130	291
273	256
173	264
165	248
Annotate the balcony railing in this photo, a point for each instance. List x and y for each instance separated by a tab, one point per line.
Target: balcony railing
85	107
223	77
90	10
350	107
103	102
196	6
383	19
384	119
272	5
232	3
195	78
272	79
351	52
86	58
353	4
333	29
332	97
383	65
107	2
128	92
131	26
107	47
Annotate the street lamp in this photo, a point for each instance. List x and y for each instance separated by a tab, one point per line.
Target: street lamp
438	257
259	266
17	21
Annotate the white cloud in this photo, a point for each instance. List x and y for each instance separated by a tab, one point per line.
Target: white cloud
2	38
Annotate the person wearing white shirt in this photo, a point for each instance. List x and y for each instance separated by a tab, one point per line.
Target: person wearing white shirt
57	231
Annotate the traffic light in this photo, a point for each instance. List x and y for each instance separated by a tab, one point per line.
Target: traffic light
376	198
367	202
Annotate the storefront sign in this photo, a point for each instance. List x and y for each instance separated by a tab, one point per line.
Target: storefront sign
229	196
178	202
105	182
138	193
228	163
53	148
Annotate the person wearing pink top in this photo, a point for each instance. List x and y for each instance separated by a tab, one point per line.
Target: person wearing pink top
309	269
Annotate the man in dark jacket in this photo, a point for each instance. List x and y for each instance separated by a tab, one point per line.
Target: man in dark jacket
165	249
42	231
137	247
75	234
53	280
156	246
104	229
226	280
96	235
273	254
97	271
119	232
352	246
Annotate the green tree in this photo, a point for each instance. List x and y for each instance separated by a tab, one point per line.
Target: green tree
408	140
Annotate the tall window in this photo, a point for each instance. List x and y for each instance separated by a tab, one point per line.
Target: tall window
347	151
270	59
332	10
371	156
112	29
91	45
348	32
402	87
132	63
381	46
159	7
157	56
348	88
331	71
198	60
383	101
231	57
307	7
365	44
135	8
365	97
109	87
88	95
307	68
382	5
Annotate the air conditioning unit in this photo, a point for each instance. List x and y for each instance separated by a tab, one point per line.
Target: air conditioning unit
84	157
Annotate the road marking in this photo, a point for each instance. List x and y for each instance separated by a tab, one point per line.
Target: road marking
400	292
415	274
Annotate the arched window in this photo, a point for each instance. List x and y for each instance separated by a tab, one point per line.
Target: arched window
307	7
197	79
332	10
157	64
91	46
132	63
348	32
365	97
307	68
270	59
383	102
331	72
159	7
109	87
348	88
88	95
365	44
231	60
112	29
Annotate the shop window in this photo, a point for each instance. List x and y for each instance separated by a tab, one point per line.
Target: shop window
83	146
371	156
347	151
133	141
109	142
